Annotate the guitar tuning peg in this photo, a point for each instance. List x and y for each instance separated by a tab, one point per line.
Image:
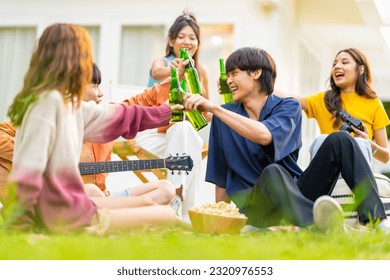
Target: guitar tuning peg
179	173
177	154
172	173
187	173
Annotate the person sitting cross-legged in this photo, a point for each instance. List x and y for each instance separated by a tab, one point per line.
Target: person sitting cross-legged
253	150
160	191
52	122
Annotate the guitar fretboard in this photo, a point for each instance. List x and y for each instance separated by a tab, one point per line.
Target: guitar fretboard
88	168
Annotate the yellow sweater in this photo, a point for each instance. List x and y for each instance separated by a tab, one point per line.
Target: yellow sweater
369	110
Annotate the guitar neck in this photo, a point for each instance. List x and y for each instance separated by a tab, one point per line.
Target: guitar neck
88	168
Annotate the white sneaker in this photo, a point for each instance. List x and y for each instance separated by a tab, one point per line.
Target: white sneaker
384	226
328	214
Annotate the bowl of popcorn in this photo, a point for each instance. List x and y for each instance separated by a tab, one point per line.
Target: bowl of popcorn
217	218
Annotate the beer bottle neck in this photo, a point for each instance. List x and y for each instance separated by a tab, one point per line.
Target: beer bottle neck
222	68
186	56
174	78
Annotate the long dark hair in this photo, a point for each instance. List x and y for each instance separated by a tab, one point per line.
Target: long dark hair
363	85
96	75
185	19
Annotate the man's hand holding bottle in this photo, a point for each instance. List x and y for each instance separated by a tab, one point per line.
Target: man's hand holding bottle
197	102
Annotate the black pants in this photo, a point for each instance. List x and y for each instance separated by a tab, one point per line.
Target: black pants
341	153
276	198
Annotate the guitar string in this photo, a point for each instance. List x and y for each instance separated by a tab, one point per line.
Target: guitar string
129	165
111	166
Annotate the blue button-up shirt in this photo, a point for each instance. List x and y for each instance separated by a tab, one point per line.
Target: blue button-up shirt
235	163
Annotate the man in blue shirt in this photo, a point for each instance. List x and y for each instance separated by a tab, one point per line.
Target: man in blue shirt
253	150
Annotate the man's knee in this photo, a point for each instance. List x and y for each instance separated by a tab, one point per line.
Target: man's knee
339	138
339	135
273	168
271	173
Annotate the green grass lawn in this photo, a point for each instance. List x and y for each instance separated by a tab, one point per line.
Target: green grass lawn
177	243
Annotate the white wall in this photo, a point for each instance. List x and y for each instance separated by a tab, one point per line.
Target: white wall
252	26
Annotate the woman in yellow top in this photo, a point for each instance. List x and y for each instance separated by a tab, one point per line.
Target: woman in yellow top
350	90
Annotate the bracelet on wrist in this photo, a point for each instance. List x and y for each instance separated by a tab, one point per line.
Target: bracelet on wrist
374	151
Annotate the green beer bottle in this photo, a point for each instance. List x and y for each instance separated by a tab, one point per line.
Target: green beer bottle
191	74
176	96
183	85
226	93
196	119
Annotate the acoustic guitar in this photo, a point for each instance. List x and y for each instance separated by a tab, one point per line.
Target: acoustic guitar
173	163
